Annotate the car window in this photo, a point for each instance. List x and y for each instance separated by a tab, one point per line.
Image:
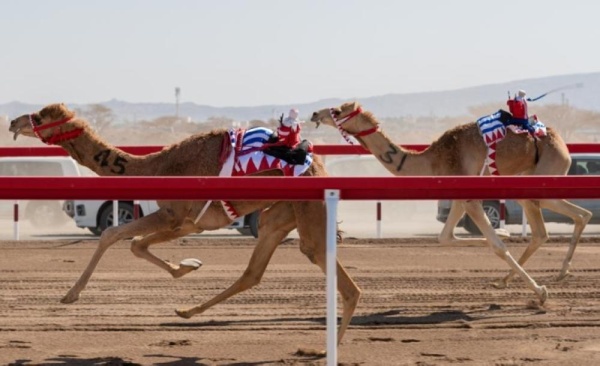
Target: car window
30	168
583	166
593	167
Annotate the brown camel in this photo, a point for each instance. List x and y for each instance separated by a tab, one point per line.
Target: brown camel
198	155
462	151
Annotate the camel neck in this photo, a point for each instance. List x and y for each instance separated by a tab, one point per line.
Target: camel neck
394	158
101	157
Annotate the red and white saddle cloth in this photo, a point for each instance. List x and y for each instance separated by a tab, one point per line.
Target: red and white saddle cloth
494	131
242	155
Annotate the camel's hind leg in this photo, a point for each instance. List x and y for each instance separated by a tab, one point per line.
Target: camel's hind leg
274	225
475	210
580	217
313	245
145	225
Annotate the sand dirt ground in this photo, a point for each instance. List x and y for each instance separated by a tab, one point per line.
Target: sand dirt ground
421	305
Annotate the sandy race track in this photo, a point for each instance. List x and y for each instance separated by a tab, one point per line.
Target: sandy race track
421	305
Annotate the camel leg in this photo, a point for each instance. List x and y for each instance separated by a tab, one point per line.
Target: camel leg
313	245
274	225
139	247
580	217
539	236
457	211
447	238
111	235
475	210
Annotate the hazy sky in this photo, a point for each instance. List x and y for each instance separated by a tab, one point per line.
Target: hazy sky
253	52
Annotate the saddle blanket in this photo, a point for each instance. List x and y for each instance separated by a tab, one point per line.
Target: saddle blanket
246	157
250	159
493	130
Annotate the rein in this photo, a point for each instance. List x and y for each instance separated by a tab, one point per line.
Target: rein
341	121
56	137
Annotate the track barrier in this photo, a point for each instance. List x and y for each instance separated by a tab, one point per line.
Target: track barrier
327	189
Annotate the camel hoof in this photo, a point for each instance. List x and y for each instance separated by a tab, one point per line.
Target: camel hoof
69	299
503	233
500	284
311	352
191	262
544	295
564	276
183	313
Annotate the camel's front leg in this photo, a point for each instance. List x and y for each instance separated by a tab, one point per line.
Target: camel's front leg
457	211
139	247
274	225
475	210
447	237
539	236
110	236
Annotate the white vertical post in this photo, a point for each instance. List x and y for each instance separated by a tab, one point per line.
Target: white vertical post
115	213
136	209
332	197
16	220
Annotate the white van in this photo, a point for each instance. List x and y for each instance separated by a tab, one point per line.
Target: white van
97	215
41	213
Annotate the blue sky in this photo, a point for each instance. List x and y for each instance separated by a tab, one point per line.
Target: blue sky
243	53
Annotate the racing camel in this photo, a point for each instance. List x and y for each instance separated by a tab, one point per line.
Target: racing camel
462	151
198	155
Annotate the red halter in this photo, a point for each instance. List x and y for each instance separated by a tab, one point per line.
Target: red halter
55	137
340	122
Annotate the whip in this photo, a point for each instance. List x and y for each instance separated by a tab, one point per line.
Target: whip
571	86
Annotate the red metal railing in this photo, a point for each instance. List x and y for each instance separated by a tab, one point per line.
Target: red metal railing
319	149
299	188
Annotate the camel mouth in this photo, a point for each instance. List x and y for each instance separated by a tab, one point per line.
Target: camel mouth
17	133
316	120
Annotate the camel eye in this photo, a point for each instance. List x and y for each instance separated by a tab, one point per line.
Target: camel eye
37	120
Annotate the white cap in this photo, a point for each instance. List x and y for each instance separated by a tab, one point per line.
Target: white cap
521	93
293	113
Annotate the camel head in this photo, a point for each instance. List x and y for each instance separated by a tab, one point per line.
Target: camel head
349	119
332	116
49	124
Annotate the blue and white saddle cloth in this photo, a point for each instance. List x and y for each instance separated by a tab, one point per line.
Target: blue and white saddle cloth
493	130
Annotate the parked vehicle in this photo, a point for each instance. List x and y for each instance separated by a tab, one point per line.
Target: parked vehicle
96	215
41	213
581	164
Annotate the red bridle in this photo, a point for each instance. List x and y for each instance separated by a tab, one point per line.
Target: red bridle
340	122
55	137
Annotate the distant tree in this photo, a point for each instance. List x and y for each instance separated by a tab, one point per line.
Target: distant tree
568	120
98	116
219	122
486	109
258	123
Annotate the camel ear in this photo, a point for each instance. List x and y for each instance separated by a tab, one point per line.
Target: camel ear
355	106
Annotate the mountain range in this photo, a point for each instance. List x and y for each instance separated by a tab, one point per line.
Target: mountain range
579	90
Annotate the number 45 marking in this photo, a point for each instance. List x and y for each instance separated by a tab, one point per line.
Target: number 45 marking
118	164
